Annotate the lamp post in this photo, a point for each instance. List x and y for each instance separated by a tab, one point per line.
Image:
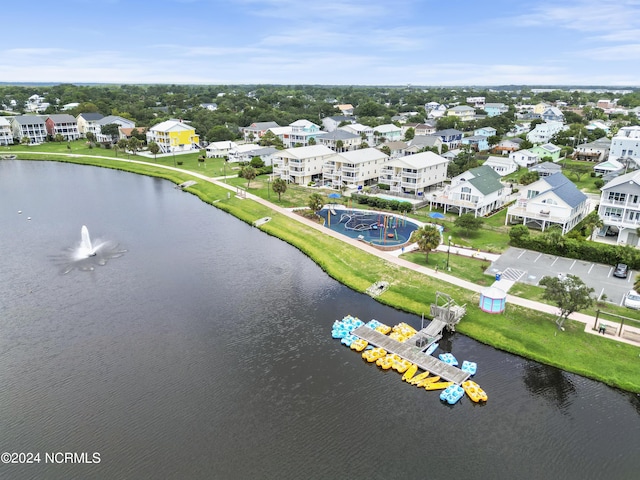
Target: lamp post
173	149
448	253
269	186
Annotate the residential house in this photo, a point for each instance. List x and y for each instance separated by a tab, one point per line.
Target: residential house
626	144
545	169
389	132
539	108
396	149
238	152
450	137
414	175
87	123
125	133
420	142
464	112
247	152
436	112
495	109
346	109
552	200
476	102
212	107
301	132
29	126
501	165
426	128
620	208
339	140
301	165
478	191
109	119
507	146
543	132
331	123
69	106
35	104
220	149
519	129
547	150
365	131
173	136
609	167
63	124
6	135
485	131
595	151
524	158
256	130
598	124
284	134
552	114
354	168
478	143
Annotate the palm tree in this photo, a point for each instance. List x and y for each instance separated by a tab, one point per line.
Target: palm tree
427	238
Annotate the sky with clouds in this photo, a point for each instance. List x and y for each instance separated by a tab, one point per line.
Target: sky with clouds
332	42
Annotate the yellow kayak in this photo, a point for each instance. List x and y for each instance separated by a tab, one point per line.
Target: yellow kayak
421	376
408	375
437	385
473	390
427	380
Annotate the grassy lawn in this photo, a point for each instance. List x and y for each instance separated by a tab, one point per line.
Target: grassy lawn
525	332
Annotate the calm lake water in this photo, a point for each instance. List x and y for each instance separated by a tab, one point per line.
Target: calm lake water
193	346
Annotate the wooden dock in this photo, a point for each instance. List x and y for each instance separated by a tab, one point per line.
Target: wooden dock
409	351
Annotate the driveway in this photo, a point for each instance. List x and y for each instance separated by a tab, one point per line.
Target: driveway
527	266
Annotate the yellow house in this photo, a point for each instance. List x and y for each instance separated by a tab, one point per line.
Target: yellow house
540	108
174	136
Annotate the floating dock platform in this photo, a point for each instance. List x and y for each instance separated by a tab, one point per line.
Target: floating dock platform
409	351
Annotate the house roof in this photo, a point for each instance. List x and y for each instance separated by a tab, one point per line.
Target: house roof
261	126
485	179
62	118
565	189
631	177
307	152
399	145
546	167
28	120
281	130
418	160
610	165
499	161
424	141
447	132
222	145
303	123
386	128
363	155
91	116
170	126
462	108
603	143
338	134
116	119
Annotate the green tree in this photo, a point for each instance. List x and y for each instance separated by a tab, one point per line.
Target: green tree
58	138
469	223
134	145
569	293
123	144
528	178
248	173
91	137
339	145
111	130
592	222
517	233
315	202
220	133
312	141
256	162
279	186
410	133
427	238
154	148
386	150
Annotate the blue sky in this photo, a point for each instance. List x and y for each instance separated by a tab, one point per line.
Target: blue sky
397	42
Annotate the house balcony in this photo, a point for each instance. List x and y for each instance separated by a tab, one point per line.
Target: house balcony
618	203
350	169
620	222
409	174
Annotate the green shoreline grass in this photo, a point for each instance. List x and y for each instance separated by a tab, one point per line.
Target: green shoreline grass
527	333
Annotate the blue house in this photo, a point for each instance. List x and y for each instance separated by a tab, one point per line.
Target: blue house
478	143
495	109
486	131
450	137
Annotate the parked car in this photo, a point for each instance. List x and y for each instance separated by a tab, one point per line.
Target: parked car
632	299
621	271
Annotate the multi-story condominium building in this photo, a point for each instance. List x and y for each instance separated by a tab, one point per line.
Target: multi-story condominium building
552	200
301	165
620	208
29	126
478	191
109	119
339	140
87	123
626	144
6	135
414	174
174	136
353	168
62	124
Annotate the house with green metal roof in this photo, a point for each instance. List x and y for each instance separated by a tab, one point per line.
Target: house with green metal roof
478	191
